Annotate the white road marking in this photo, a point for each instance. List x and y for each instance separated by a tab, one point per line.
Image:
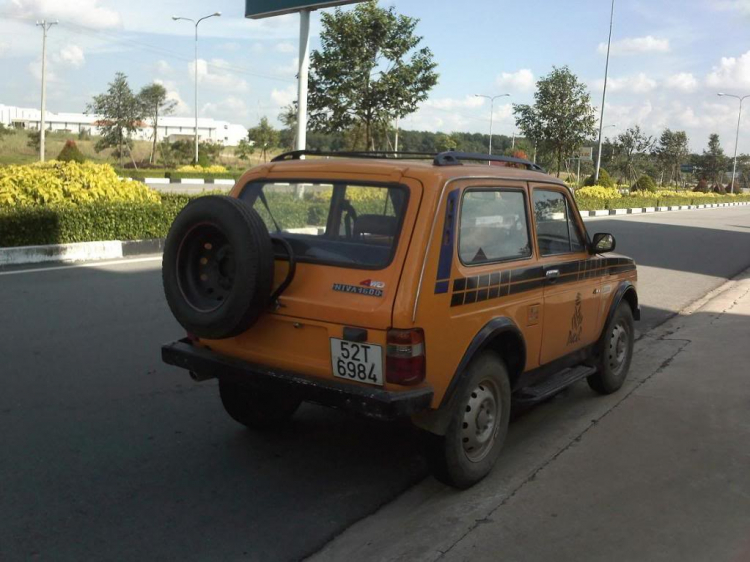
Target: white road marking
76	266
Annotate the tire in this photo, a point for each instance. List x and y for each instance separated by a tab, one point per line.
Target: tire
257	409
467	452
615	352
218	267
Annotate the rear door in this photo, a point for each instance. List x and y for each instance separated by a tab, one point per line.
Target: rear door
571	285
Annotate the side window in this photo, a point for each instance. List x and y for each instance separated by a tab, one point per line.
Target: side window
493	226
556	231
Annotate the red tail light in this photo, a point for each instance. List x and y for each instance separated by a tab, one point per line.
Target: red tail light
404	357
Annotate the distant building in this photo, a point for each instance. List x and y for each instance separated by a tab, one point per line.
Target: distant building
170	128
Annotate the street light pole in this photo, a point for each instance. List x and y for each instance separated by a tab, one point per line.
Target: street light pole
492	111
196	24
737	135
604	93
42	122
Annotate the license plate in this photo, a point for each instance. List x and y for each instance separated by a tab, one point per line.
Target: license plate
361	362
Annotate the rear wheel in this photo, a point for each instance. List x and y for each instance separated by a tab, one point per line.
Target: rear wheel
478	425
615	352
257	409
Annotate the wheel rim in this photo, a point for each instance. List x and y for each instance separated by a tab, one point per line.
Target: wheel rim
619	344
205	267
481	420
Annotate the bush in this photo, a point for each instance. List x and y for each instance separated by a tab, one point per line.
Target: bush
644	183
67	183
604	179
141	174
70	153
215	169
702	187
598	192
718	188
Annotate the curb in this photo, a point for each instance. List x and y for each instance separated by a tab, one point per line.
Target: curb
638	210
79	251
186	181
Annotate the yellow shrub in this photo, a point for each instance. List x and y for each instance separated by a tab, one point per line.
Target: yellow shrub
598	192
215	169
58	183
355	194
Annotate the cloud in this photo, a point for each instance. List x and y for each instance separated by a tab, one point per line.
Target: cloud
520	81
282	98
230	108
683	81
741	6
636	84
284	48
468	102
72	55
217	74
636	45
83	12
173	94
4	48
163	67
731	72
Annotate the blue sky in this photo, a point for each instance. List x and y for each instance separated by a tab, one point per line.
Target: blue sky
669	58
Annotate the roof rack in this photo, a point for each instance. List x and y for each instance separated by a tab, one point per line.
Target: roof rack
449	158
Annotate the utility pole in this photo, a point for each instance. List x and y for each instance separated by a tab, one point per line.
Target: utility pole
45	25
492	112
302	79
604	93
737	135
196	23
397	125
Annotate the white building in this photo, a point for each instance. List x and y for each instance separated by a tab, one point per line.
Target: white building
171	128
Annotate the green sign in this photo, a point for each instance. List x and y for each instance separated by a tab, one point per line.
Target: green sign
257	9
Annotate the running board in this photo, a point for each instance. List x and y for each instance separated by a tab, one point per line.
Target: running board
552	385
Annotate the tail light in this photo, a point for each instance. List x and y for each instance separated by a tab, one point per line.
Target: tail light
404	357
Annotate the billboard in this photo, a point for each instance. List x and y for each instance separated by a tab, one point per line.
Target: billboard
257	9
586	154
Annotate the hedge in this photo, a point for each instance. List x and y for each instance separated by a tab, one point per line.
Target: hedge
629	202
175	175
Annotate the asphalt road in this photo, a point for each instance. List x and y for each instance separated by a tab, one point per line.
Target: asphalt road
107	454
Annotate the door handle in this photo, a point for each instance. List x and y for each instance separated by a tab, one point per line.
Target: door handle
552	275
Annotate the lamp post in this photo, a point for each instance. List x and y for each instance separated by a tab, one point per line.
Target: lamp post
45	25
737	135
604	93
492	111
196	23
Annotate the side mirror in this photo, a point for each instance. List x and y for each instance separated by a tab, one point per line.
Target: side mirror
602	243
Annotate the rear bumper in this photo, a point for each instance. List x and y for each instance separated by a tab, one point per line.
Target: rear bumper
369	401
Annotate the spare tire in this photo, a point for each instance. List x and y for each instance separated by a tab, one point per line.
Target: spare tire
218	267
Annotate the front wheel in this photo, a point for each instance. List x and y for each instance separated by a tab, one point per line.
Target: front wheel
478	426
615	352
257	409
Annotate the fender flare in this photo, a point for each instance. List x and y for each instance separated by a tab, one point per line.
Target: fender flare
624	288
436	421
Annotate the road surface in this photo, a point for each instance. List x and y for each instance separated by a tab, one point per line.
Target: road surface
107	454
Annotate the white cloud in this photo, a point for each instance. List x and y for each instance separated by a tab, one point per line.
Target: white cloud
282	98
163	67
217	74
741	6
521	81
731	72
284	48
636	84
683	81
173	94
231	46
636	45
230	108
83	12
72	55
469	102
4	48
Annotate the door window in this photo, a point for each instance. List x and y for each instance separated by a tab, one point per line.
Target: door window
556	231
493	226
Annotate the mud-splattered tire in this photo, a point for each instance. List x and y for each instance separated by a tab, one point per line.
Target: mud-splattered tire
615	352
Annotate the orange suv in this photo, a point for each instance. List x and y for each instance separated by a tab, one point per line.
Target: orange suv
438	288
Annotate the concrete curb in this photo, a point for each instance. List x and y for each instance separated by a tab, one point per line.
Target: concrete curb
186	181
79	251
638	210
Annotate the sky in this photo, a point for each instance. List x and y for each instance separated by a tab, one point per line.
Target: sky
669	58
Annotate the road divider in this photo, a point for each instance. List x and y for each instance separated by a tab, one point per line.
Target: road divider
79	251
639	210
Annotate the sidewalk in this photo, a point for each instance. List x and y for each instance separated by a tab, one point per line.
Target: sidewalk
659	471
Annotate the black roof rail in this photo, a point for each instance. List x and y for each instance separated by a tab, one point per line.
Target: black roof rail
451	158
374	154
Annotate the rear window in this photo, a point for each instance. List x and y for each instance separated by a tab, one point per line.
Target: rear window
338	223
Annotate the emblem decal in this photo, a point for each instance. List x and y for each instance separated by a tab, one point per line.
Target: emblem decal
357	290
576	324
373	284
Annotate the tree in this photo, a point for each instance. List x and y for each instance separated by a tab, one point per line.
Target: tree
155	103
630	149
244	149
369	71
444	142
266	138
288	118
120	114
671	151
561	118
713	161
71	153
